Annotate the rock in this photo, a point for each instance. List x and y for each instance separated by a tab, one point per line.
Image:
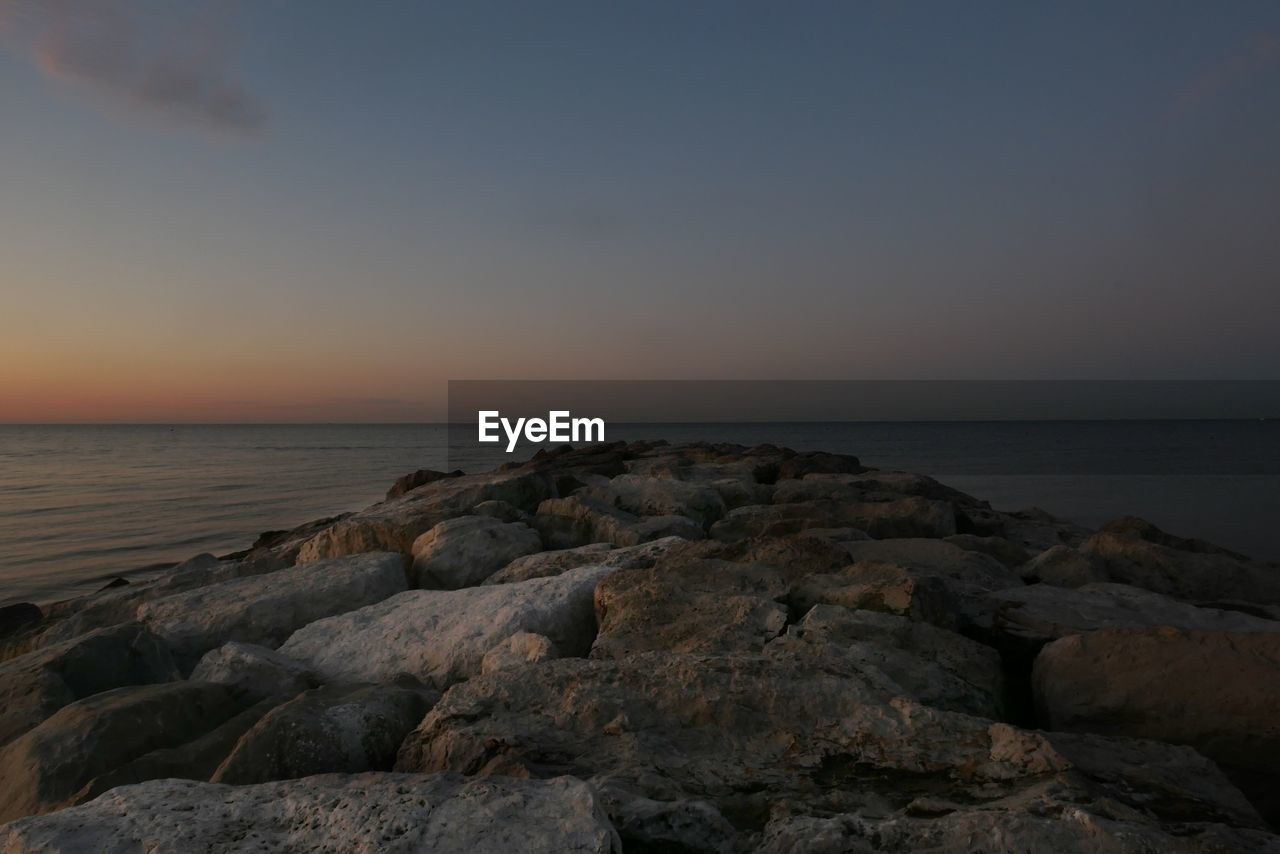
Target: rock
904	517
421	477
500	510
794	556
393	525
253	671
19	618
326	730
750	735
1009	554
1062	566
1146	557
332	812
1040	613
676	826
646	496
520	649
45	768
35	685
937	667
266	609
577	521
1215	691
545	564
464	551
927	580
704	606
441	636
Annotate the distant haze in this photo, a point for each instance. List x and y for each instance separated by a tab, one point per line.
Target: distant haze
261	212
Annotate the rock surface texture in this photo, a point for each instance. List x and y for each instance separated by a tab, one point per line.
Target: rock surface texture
701	648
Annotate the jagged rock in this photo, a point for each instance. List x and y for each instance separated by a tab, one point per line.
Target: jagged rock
922	579
903	517
1215	691
464	551
1062	566
520	649
266	609
326	730
500	510
1009	554
646	496
45	768
545	564
441	636
1144	556
35	685
566	523
330	812
675	826
253	671
394	525
421	477
749	734
794	556
703	606
1040	613
935	666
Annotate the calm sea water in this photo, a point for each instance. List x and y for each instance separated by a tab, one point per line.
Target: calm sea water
82	504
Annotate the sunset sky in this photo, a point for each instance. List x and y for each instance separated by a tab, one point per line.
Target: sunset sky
294	211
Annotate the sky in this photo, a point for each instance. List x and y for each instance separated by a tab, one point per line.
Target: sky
321	211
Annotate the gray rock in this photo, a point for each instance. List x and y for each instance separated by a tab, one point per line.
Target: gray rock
46	767
548	563
333	812
254	671
645	496
1062	566
326	730
566	523
35	685
518	650
464	551
441	636
266	609
1009	554
902	517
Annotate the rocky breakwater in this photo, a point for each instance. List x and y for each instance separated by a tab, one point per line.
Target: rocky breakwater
640	647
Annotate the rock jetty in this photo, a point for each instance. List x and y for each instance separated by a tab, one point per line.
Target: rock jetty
652	648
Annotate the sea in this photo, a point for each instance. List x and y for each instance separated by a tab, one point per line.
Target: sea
81	505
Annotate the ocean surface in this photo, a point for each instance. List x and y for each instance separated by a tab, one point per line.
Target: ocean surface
82	504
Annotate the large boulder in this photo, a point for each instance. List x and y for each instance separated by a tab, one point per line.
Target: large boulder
646	496
254	671
326	730
900	517
464	551
393	525
704	606
1039	613
544	564
756	735
35	685
46	767
580	520
332	812
1063	566
441	636
266	609
1216	691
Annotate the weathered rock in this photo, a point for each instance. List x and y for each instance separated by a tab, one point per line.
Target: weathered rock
1144	556
1062	566
554	562
421	477
500	510
21	617
1040	613
1009	554
750	734
441	636
393	525
518	650
646	496
566	523
1215	691
675	826
35	685
464	551
903	517
793	555
935	666
326	730
333	812
253	671
266	609
44	769
704	606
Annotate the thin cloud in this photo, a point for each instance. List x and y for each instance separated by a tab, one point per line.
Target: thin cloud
1253	55
163	60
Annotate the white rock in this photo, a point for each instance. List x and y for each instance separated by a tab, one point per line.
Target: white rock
463	552
266	609
330	812
441	636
